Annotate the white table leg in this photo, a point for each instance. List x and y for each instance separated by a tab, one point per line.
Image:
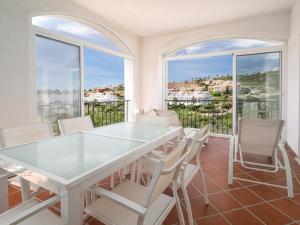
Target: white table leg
72	203
3	191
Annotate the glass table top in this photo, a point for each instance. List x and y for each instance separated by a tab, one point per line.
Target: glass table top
69	156
132	131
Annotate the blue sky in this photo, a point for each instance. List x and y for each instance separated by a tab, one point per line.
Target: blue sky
101	69
182	70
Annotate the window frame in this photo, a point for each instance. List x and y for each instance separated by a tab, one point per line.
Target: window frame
239	52
38	31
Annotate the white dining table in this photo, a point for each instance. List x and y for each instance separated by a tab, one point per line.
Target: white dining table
68	165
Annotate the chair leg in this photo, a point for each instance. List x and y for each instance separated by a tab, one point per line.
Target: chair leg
178	205
288	173
230	160
206	140
179	211
3	191
112	181
204	186
235	145
187	204
25	189
133	172
149	177
139	171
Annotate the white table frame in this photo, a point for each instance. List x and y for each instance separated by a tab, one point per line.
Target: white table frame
72	191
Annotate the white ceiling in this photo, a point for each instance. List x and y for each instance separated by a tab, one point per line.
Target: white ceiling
155	17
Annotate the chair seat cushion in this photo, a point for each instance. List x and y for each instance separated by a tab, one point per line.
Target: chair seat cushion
45	217
104	209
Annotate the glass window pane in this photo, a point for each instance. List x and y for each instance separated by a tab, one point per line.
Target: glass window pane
195	78
74	29
103	76
258	85
200	91
225	45
58	80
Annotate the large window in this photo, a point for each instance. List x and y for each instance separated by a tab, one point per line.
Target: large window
103	76
258	85
79	70
58	80
219	81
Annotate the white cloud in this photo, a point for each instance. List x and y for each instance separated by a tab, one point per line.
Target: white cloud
42	21
77	29
228	44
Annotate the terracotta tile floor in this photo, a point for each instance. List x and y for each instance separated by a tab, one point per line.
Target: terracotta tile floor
242	203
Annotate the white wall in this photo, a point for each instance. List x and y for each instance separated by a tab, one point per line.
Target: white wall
270	27
16	84
293	110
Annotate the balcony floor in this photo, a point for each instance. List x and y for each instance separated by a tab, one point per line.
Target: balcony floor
243	203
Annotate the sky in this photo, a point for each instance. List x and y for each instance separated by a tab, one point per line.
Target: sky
58	63
102	69
181	70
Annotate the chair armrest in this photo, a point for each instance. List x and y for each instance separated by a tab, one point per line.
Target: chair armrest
132	206
154	155
19	217
203	138
182	160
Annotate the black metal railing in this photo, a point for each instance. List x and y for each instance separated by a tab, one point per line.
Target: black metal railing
198	113
218	113
105	113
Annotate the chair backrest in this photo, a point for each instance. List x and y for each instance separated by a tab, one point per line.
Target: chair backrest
152	120
171	116
22	135
166	171
259	136
204	131
194	144
77	124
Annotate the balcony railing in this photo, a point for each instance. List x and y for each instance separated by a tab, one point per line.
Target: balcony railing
198	113
218	113
105	113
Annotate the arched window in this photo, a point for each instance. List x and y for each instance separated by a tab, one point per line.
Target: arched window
222	45
218	81
78	31
79	66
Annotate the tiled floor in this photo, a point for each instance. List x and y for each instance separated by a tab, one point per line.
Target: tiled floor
242	203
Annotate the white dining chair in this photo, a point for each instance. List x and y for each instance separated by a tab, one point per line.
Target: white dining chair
31	212
130	203
193	168
171	116
79	124
152	120
157	121
204	132
11	137
74	125
174	120
260	137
